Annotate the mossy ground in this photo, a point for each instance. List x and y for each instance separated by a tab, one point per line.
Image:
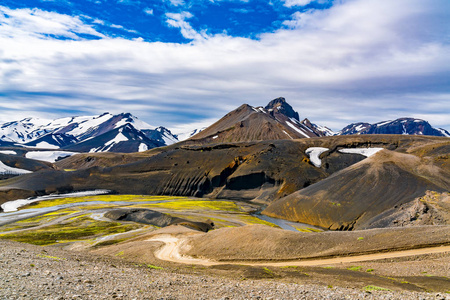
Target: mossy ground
77	229
104	198
77	223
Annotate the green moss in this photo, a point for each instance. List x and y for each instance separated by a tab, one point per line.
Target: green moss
103	198
369	270
328	267
50	257
45	217
195	205
79	229
154	267
370	288
268	271
354	268
360	238
289	267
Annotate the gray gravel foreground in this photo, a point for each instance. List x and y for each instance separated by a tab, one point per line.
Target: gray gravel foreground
32	272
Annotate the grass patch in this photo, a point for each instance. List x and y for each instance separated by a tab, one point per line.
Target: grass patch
289	267
50	257
79	229
369	270
268	271
154	267
328	267
371	288
360	238
354	268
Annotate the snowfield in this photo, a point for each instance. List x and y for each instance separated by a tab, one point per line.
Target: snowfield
4	169
11	206
49	156
314	153
9	152
367	152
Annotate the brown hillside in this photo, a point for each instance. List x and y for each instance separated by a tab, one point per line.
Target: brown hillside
355	196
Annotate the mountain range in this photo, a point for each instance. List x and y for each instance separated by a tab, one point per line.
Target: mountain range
386	174
126	133
104	133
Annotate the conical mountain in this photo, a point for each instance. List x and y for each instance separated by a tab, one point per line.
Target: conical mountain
276	121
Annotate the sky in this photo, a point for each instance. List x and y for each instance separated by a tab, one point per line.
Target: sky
185	63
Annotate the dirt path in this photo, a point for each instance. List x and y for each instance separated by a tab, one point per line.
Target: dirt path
170	252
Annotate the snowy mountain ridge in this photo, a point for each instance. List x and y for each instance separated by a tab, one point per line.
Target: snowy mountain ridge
404	126
69	132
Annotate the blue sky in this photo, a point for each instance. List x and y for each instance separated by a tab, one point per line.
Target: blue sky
184	64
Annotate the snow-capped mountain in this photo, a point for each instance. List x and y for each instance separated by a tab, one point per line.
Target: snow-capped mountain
405	126
123	139
69	133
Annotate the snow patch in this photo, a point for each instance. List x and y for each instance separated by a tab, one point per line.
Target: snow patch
297	129
9	152
4	169
445	133
215	137
11	206
142	147
49	156
383	123
119	138
45	145
288	135
367	152
314	153
360	127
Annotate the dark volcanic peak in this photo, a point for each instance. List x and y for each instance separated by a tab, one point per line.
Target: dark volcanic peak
279	105
276	121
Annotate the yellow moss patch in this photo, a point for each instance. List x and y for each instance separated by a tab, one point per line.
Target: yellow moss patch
194	205
78	229
103	198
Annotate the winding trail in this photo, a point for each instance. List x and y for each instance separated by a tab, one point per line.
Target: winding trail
170	252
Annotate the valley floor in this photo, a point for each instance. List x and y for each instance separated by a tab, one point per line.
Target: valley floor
35	272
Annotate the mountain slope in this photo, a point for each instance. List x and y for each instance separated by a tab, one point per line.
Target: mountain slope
124	139
276	121
357	196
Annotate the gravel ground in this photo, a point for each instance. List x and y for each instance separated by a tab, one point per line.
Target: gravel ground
32	272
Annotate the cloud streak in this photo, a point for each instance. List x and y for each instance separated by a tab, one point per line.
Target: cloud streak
360	60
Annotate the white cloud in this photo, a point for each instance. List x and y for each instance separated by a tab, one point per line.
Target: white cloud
38	23
148	11
178	20
177	2
290	3
361	60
